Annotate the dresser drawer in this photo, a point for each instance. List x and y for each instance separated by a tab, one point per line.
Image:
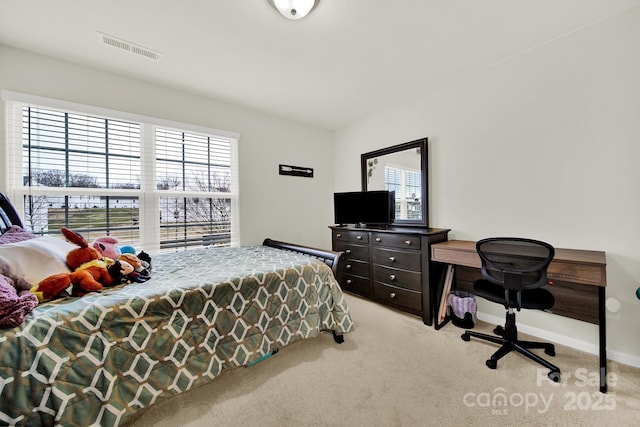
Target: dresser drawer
398	278
353	251
407	241
398	259
390	265
355	267
350	236
359	285
401	297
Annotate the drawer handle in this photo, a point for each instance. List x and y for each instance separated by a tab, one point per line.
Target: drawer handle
392	277
348	281
407	242
347	267
338	234
378	239
392	258
392	295
359	237
348	251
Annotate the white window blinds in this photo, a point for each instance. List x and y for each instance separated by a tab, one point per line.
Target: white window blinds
153	184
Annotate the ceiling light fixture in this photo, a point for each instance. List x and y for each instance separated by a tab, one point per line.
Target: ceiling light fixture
294	9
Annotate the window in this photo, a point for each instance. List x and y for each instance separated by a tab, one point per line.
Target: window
193	163
152	184
406	184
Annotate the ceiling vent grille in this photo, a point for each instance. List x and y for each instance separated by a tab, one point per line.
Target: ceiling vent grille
128	46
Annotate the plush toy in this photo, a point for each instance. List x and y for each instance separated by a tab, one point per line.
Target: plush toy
107	246
115	273
138	272
127	249
90	272
146	260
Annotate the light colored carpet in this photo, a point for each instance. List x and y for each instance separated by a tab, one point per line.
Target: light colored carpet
395	371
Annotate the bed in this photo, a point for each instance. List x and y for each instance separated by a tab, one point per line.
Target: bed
97	359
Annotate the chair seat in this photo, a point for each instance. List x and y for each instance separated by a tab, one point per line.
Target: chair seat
536	299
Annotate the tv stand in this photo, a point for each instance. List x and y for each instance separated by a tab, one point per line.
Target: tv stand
390	265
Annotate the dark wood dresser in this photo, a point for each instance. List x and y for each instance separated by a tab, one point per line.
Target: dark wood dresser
390	265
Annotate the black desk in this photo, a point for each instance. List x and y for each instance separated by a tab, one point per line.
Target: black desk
579	279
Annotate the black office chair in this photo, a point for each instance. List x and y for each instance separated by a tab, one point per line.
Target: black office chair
514	271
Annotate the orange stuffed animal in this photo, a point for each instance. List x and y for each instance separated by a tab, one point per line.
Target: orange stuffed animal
90	271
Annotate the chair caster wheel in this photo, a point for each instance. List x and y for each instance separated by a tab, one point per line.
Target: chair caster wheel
550	351
465	337
554	376
499	330
492	364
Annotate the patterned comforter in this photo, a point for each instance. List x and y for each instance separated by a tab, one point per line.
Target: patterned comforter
95	360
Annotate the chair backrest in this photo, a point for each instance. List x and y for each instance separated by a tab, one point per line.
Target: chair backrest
515	263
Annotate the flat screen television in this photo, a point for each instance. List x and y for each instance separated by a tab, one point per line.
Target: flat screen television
364	207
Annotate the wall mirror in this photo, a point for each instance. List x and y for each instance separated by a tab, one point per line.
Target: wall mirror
403	169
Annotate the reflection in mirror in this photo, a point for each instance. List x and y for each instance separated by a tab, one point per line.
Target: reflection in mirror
403	169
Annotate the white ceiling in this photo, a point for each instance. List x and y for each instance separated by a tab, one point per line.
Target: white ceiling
345	61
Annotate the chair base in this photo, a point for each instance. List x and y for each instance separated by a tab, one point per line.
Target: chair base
509	342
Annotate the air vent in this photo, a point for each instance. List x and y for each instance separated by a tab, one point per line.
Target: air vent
128	46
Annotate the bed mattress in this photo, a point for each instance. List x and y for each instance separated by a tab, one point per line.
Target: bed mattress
99	358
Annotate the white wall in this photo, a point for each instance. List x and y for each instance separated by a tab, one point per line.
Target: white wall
281	207
545	144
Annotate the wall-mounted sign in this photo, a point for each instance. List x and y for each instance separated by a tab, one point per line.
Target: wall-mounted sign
296	171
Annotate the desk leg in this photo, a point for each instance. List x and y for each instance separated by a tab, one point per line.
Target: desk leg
602	326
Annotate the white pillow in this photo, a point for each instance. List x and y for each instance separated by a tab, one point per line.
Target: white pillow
35	259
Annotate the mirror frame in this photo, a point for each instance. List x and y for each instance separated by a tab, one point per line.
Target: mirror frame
418	143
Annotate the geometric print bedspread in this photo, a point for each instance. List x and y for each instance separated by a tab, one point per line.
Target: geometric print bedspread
97	359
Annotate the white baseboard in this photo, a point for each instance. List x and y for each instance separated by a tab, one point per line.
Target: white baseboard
587	347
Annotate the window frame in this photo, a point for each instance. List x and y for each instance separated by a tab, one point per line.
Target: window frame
401	199
148	194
